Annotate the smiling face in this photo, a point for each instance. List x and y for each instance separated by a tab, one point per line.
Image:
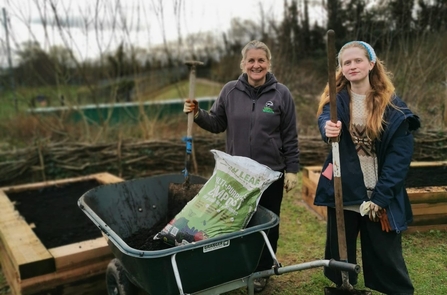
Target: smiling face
256	64
355	65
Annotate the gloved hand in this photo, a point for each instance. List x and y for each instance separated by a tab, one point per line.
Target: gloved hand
371	209
376	214
290	180
384	221
190	105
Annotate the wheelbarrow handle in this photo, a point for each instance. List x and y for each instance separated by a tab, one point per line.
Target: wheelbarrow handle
344	266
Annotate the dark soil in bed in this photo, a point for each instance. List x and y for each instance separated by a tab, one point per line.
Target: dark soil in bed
57	220
427	176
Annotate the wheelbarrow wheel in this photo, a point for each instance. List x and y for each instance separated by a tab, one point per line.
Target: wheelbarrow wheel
117	281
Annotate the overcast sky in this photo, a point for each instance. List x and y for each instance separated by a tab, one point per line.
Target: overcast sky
93	26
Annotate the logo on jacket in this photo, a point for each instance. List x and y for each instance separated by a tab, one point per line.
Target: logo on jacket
268	107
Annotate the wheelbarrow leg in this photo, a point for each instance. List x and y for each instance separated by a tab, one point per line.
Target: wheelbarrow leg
276	264
177	274
251	286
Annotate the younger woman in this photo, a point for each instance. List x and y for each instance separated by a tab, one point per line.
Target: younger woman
376	146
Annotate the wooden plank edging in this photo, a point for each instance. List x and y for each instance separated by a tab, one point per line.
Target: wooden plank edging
30	267
429	204
29	256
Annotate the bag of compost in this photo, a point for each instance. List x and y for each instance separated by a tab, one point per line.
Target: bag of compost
225	204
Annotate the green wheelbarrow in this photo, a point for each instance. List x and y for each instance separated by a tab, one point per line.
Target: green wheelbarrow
213	266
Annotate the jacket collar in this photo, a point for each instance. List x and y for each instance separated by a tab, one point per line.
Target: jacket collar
243	85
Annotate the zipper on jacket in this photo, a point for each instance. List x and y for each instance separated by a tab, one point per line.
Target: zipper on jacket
394	222
253	105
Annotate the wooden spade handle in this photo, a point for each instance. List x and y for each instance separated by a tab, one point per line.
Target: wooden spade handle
341	232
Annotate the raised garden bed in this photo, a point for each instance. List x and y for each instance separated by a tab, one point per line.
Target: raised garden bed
46	241
426	187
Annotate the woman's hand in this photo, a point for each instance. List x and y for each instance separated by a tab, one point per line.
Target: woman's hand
332	129
290	181
190	105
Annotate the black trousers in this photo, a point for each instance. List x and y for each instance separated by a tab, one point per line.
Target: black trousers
383	265
271	199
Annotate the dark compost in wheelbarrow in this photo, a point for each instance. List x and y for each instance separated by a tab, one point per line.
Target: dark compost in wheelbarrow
143	239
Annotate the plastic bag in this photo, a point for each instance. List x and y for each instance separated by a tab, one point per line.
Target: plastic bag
225	204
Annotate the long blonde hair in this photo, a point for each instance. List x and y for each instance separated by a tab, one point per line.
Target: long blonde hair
377	99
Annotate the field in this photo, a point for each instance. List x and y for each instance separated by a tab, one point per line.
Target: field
23	95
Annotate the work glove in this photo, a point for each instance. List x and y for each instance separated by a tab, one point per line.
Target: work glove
384	221
191	105
376	214
290	180
371	209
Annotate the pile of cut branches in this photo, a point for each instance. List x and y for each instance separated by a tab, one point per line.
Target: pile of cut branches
132	159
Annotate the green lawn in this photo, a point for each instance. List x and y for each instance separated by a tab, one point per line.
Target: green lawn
23	95
302	240
203	88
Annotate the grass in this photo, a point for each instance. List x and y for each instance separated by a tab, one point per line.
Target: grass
203	88
302	240
24	95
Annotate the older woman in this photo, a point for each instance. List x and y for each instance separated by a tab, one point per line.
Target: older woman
258	114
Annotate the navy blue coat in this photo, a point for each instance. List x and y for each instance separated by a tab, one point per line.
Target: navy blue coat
394	154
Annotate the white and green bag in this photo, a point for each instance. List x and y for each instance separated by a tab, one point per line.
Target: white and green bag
225	204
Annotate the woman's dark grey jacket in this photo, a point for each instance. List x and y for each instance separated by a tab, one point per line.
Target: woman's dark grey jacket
260	123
